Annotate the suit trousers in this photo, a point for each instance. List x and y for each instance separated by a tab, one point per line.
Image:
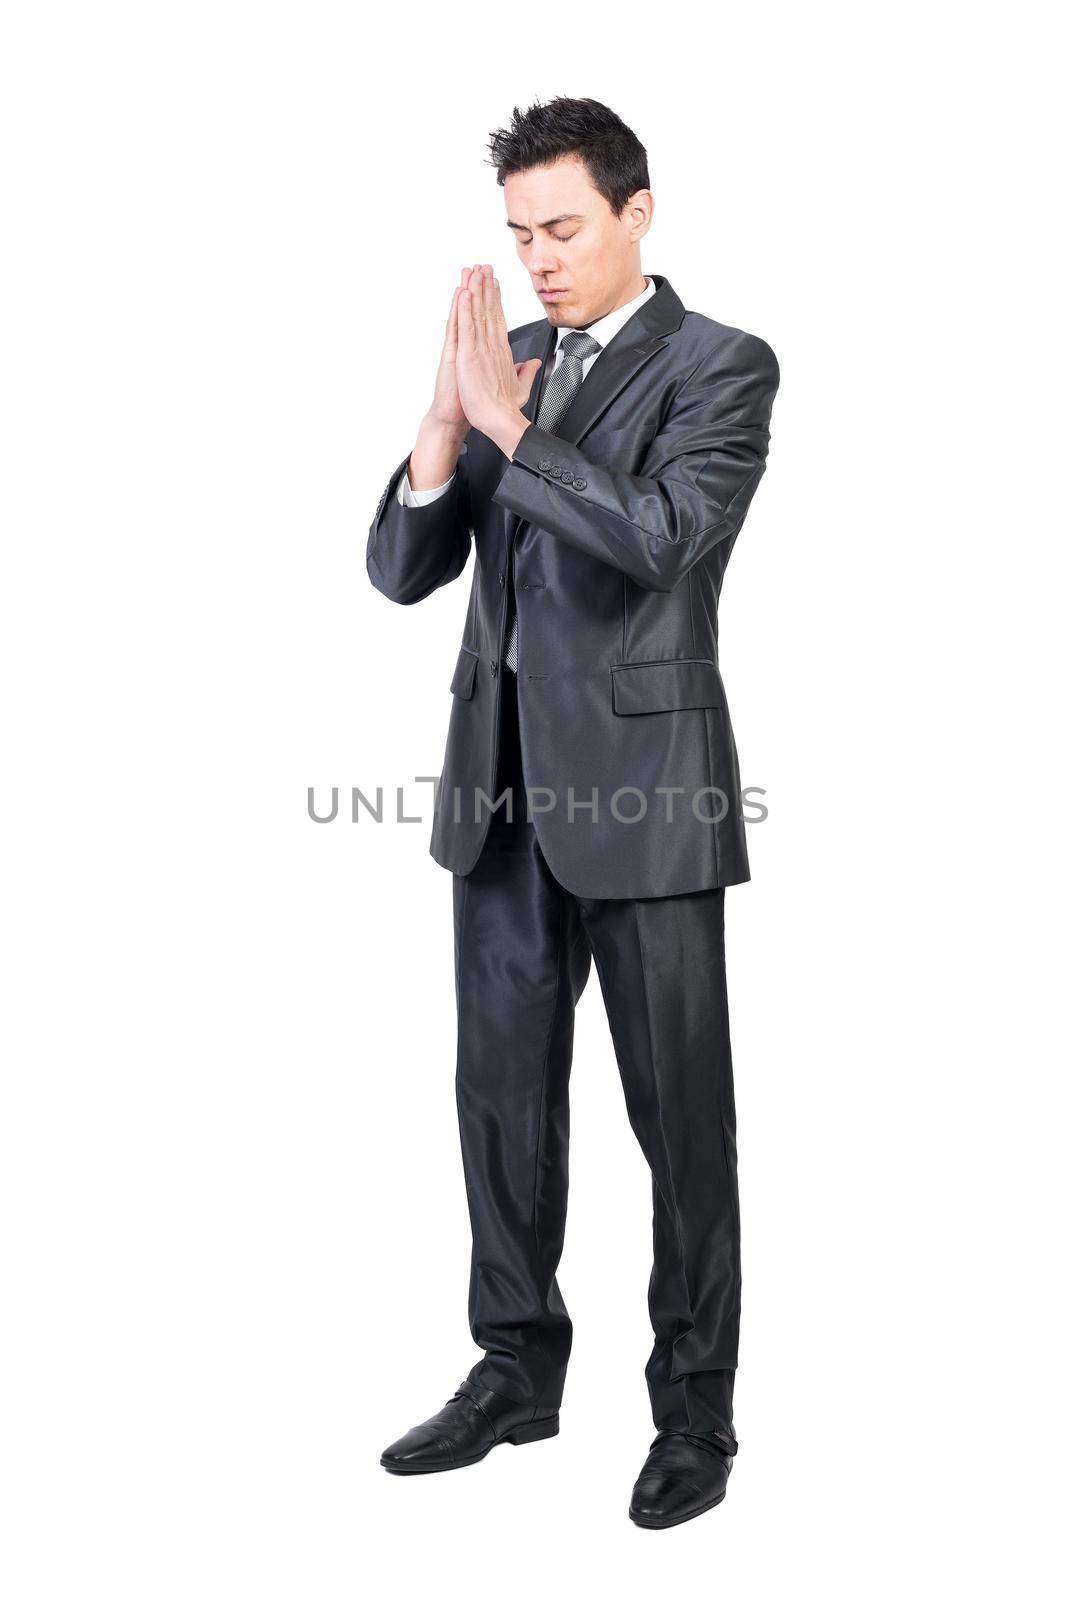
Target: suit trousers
523	946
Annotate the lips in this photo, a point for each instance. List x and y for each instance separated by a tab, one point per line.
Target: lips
551	294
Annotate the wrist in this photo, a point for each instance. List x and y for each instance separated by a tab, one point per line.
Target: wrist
437	450
507	429
443	435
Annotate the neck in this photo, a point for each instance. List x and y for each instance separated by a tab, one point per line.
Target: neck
634	287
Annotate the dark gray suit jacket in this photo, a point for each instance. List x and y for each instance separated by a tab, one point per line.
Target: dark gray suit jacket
617	528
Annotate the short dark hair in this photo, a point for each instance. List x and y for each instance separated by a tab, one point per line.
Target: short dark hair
616	161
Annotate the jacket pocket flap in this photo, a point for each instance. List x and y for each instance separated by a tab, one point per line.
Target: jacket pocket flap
665	686
463	679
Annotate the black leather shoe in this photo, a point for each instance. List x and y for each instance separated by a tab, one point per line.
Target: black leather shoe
683	1475
466	1429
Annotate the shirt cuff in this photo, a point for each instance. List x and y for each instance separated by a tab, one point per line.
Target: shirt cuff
407	496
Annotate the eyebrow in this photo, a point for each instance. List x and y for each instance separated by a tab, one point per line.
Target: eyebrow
568	216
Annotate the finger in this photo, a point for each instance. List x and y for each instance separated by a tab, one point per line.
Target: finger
474	311
497	307
526	372
464	321
451	325
474	284
482	304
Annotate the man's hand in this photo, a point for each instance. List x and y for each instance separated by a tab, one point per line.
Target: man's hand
444	428
491	387
446	409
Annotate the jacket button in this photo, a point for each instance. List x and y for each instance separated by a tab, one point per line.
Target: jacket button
556	472
580	483
493	669
543	466
500	579
567	475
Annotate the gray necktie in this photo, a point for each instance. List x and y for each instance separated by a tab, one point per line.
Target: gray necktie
556	395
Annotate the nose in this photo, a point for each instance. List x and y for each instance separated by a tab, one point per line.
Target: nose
542	262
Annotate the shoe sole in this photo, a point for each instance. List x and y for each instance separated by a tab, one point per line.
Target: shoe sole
641	1521
526	1433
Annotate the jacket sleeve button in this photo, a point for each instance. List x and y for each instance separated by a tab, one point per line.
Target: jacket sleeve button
580	483
543	466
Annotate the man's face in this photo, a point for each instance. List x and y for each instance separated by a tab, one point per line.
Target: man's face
568	239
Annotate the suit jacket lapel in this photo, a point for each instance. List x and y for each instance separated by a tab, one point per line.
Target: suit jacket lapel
640	337
543	344
610	374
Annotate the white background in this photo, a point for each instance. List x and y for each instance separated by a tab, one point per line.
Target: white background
235	1239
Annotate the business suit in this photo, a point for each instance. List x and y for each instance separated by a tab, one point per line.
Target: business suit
609	537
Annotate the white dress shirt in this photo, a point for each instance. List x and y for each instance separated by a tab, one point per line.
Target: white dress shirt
603	330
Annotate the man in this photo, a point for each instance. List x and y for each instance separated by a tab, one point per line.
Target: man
602	458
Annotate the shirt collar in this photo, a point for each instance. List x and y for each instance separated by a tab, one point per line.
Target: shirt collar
606	328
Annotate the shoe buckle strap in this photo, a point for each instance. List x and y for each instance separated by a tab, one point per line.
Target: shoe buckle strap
720	1443
721	1440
